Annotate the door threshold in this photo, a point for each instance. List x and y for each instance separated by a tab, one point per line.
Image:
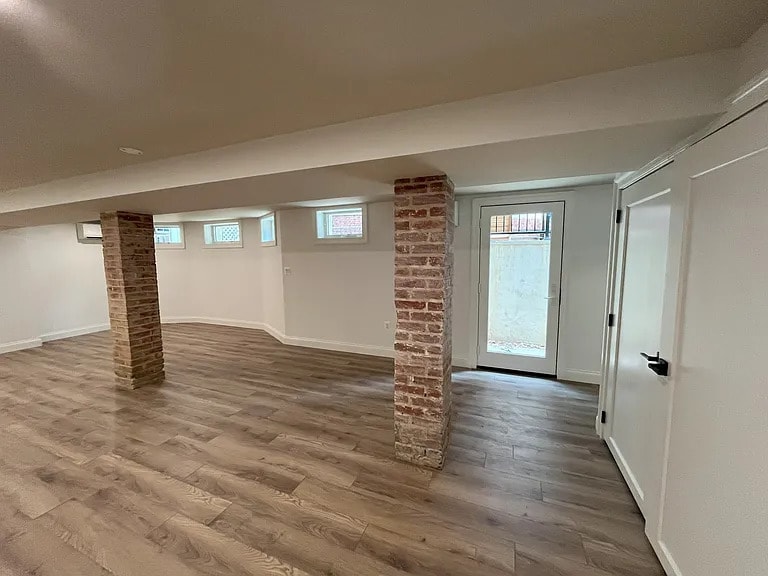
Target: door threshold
517	372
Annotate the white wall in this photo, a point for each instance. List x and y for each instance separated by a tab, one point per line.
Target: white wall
340	294
336	296
588	221
212	283
754	55
50	286
463	341
273	300
19	326
585	280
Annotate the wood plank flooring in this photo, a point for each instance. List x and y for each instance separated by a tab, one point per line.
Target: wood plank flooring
258	458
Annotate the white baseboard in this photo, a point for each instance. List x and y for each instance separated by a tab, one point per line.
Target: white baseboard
665	557
274	332
626	472
584	376
76	332
288	340
20	345
252	324
318	343
366	349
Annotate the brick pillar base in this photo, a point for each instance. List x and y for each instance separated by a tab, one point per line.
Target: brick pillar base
134	311
423	291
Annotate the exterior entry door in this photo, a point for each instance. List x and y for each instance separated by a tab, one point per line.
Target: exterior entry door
521	250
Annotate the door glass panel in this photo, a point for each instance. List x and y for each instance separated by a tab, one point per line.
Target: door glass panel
519	284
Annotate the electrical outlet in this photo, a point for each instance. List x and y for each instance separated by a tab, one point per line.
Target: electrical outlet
387	324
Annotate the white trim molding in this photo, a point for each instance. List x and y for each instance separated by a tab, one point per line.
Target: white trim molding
20	345
340	346
317	343
50	337
285	339
61	334
581	376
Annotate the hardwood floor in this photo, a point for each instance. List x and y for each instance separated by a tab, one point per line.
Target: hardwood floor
258	458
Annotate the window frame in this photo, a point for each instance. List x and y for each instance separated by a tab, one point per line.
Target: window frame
171	245
273	217
341	239
219	245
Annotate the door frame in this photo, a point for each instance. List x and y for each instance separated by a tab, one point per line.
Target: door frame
553	320
565	195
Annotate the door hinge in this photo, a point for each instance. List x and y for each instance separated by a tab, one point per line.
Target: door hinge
619	214
603	417
611	320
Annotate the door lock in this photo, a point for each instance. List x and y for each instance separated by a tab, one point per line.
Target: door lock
657	363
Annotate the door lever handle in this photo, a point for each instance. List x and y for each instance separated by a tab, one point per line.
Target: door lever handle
657	363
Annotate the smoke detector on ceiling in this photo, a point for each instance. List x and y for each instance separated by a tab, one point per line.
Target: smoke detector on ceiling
131	151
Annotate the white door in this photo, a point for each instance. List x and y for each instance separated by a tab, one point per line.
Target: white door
714	516
521	249
641	398
691	446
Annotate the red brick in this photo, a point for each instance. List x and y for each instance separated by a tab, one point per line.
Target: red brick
129	267
423	277
410	305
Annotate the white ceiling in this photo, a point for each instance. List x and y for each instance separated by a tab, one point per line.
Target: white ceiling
554	161
83	77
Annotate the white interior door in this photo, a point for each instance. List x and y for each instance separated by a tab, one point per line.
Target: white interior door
714	511
690	445
521	249
641	399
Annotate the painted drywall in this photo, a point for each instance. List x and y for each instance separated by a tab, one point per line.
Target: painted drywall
662	91
584	284
272	297
340	293
215	283
463	343
19	326
754	55
336	296
339	296
50	286
588	220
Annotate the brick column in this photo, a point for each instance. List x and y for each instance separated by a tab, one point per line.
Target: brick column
423	289
134	311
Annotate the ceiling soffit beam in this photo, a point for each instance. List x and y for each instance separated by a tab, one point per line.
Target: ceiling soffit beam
680	88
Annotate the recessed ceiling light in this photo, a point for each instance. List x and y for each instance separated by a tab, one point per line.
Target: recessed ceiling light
131	151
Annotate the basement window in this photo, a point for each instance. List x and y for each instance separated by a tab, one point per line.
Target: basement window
169	236
341	224
268	227
222	235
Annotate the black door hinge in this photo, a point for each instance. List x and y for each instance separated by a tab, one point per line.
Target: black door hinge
603	417
619	214
611	320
